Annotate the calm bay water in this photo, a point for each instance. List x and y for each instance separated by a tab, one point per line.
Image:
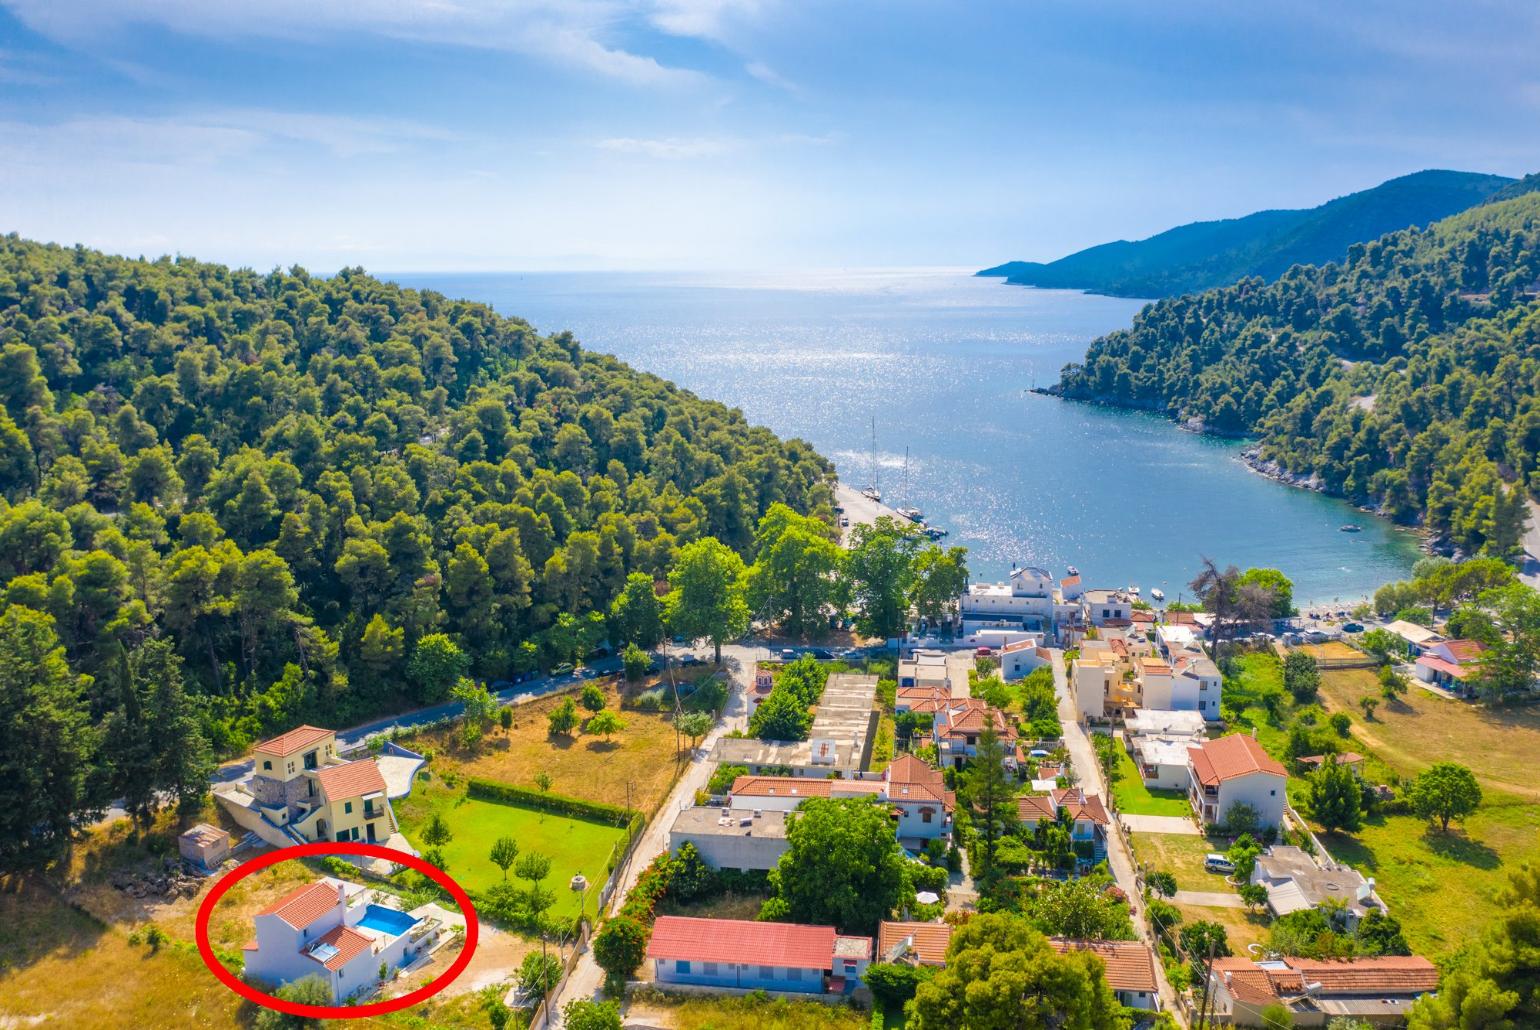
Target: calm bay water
944	363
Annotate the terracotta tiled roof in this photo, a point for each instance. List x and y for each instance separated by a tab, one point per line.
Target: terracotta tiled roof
1385	977
1069	581
1130	964
742	941
1181	619
929	944
1226	758
348	942
1464	650
350	779
780	787
1139	616
304	904
294	741
1082	805
1031	808
1390	974
1437	664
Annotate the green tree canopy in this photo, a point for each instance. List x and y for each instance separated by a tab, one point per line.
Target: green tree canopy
707	595
795	581
843	866
1445	791
1002	975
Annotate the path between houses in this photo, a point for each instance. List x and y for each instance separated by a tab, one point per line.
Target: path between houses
1210	899
1160	824
587	978
1088	774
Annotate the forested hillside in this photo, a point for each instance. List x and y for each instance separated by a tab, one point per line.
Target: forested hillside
1203	255
293	482
1406	377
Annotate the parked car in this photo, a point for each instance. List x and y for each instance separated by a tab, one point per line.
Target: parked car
821	655
1353	627
1214	862
1037	752
983	652
788	654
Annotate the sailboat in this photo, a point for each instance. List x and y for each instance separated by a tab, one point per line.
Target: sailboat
874	492
909	512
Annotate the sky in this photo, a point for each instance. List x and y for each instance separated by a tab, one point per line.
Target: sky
417	135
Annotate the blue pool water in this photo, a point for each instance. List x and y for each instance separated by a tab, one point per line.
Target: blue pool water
387	920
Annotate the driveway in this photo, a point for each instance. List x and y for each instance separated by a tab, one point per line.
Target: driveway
1088	774
1211	899
587	978
1160	824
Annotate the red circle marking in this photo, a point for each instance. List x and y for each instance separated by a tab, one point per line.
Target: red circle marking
351	848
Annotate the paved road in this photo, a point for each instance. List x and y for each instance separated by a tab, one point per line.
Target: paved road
1529	570
587	978
518	694
860	508
1088	774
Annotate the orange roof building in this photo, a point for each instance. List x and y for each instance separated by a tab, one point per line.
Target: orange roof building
1236	770
1380	990
921	944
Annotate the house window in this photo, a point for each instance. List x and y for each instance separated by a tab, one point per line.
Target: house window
267	766
682	965
925	814
347	807
1272	793
709	968
291	767
310	760
767	972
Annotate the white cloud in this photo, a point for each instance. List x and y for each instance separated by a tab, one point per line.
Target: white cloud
705	19
676	148
770	77
670	149
579	33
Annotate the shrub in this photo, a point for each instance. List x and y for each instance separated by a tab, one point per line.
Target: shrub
558	804
1341	722
621	945
893	983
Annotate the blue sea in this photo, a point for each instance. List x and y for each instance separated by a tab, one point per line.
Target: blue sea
944	364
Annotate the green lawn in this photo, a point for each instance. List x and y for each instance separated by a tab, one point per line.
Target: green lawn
1132	796
573	845
1182	856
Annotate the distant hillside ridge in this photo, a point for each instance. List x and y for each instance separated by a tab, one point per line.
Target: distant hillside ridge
1203	255
1405	378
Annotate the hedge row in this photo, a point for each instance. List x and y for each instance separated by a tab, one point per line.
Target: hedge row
558	804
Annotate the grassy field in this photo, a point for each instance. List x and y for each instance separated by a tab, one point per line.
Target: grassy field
1182	856
1419	728
1134	797
1332	650
573	845
1241	927
744	1013
641	758
1443	886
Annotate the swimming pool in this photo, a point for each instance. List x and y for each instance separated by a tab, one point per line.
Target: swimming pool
387	920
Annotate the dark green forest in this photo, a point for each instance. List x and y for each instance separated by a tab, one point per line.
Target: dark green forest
1406	378
1203	255
274	487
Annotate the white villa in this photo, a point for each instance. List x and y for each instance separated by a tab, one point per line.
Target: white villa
1235	769
1030	600
328	929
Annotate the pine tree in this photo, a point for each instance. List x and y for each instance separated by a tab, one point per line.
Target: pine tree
992	798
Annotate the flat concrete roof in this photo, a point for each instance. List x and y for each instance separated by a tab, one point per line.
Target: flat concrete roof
703	821
796	754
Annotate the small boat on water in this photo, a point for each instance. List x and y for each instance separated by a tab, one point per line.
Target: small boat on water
1133	590
871	493
912	514
1157	593
1072	570
934	532
1351	528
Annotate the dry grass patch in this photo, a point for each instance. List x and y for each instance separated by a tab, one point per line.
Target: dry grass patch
744	1013
1332	650
1241	927
643	755
1419	728
1182	856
